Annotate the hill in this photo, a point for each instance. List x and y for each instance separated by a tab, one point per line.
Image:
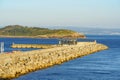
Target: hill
24	31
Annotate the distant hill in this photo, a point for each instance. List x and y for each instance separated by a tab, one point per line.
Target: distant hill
24	31
92	30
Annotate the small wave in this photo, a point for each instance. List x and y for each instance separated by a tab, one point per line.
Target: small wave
53	74
101	72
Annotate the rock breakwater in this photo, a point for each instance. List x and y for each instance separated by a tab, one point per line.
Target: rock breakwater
41	46
14	65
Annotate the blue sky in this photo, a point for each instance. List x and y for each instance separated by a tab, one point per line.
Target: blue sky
79	13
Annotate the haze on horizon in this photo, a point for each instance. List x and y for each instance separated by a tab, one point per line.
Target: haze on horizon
79	13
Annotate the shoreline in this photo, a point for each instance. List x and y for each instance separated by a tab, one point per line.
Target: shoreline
17	64
43	36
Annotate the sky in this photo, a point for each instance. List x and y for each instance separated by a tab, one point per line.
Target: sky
79	13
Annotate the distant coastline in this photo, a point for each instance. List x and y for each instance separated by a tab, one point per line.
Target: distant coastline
18	31
44	36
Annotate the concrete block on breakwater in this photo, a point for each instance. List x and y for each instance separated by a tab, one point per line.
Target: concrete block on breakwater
14	65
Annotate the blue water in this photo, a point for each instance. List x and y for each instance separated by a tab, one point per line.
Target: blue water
104	65
9	41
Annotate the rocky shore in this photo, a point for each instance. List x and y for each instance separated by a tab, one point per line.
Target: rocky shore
17	64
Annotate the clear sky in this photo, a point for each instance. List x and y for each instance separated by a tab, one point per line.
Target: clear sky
80	13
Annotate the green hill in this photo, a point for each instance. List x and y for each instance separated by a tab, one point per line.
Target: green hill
24	31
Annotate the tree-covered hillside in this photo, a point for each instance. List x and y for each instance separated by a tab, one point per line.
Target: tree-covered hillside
18	30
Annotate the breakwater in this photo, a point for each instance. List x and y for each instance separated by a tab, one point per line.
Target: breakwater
42	46
14	65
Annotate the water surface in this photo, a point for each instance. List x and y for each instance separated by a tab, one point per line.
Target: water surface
104	65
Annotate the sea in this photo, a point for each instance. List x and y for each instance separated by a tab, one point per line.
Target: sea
103	65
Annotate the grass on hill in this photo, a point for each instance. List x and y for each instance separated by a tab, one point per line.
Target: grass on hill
18	30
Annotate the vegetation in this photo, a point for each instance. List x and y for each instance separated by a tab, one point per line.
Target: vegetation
18	30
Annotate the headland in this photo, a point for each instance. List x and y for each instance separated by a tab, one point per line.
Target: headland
18	31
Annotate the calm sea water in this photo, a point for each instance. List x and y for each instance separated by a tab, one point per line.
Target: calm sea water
9	41
104	65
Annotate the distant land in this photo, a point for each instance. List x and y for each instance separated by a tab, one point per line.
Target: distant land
92	31
37	32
